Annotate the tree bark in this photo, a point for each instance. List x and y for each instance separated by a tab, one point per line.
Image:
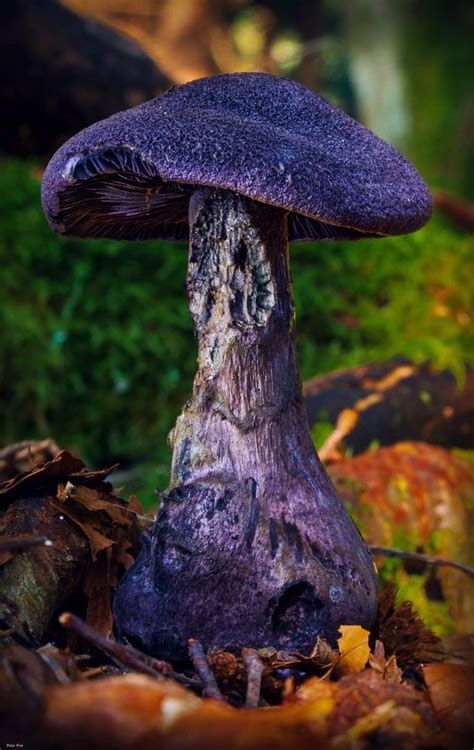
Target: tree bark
37	583
252	546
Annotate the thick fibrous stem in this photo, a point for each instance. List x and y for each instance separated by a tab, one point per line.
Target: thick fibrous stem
247	392
252	546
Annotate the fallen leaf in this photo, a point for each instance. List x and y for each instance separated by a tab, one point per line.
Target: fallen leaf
388	668
93	500
354	649
404	633
43	478
89	526
123	546
451	690
322	656
377	658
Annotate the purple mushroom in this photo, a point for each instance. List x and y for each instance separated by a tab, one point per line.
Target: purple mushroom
251	546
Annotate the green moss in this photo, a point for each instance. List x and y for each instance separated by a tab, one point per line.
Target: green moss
320	432
435	614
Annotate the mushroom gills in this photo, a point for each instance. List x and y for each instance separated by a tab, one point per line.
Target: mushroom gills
116	193
301	228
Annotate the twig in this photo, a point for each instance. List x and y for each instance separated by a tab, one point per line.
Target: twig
417	557
203	670
19	544
254	666
126	657
93	672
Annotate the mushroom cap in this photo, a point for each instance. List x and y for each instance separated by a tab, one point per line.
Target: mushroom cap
130	176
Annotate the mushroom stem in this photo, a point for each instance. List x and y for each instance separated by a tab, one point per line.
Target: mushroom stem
247	405
252	546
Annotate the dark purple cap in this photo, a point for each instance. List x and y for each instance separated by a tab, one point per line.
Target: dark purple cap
130	176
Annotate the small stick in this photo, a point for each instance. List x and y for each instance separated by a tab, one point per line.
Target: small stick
126	657
21	543
93	672
416	557
254	666
203	670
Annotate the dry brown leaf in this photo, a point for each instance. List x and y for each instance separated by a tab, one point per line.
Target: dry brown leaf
322	656
451	690
404	633
43	477
90	526
122	549
93	500
231	674
377	658
105	520
354	649
388	668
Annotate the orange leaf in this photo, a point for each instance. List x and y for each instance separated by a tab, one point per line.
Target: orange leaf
353	648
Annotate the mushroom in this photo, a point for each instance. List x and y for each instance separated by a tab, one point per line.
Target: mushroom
251	545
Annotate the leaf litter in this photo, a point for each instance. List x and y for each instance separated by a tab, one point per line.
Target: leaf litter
397	686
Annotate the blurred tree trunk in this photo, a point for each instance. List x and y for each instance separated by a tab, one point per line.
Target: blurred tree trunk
373	32
310	27
187	39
